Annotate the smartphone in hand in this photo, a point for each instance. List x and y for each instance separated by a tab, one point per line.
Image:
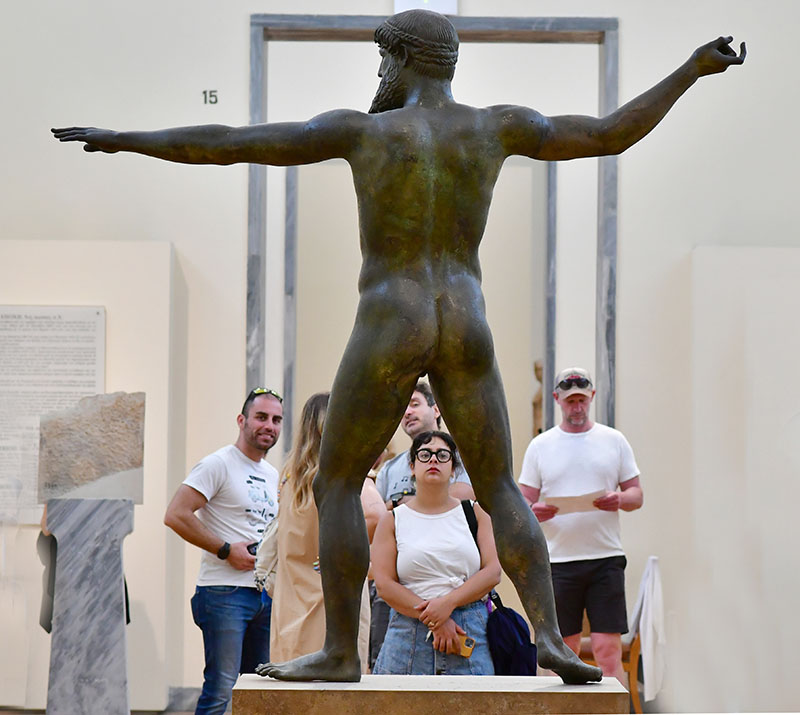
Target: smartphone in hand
467	644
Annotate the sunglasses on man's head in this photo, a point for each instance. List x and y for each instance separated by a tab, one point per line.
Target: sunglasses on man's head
266	391
442	455
570	382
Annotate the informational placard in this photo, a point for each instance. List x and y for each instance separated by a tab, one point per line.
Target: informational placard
50	357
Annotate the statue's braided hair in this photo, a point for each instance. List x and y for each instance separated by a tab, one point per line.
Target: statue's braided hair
430	38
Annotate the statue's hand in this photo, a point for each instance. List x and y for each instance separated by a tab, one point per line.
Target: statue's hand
94	139
717	55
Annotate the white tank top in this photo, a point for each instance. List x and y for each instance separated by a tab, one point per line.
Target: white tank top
435	552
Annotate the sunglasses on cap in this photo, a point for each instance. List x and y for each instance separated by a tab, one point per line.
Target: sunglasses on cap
579	382
266	391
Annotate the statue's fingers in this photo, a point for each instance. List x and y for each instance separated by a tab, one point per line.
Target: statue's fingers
62	134
742	52
724	46
70	136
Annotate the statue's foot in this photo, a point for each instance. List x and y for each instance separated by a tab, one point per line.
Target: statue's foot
553	654
315	666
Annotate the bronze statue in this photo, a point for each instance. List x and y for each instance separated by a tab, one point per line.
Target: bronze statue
424	167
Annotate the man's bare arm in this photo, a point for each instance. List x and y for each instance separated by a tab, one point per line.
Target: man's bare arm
629	497
330	135
180	517
527	132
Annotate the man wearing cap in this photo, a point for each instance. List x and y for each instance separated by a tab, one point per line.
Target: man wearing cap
583	458
235	494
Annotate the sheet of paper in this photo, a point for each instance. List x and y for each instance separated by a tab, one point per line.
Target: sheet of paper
568	505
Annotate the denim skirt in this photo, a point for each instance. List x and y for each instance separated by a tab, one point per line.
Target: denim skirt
406	651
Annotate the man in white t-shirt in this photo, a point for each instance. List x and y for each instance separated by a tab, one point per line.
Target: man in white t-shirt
583	458
223	507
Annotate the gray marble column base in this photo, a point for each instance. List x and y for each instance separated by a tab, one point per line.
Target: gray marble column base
88	663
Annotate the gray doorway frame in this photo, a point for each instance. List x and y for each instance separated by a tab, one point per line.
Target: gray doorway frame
603	32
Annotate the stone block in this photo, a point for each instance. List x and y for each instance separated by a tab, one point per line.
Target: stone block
429	694
94	450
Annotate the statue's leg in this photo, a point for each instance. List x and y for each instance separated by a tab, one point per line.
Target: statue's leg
473	404
373	385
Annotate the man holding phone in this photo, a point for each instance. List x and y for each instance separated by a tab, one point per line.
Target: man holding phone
223	507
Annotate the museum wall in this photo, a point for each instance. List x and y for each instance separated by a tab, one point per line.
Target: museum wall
714	176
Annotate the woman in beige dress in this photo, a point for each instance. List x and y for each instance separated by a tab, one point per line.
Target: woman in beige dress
298	614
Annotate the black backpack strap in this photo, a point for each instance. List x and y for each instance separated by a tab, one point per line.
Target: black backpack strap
472	520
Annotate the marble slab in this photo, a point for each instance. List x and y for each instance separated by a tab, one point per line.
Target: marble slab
88	665
416	694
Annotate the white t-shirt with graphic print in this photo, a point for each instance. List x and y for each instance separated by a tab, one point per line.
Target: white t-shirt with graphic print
242	499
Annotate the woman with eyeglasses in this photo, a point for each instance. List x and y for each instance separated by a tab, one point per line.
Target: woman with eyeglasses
298	614
429	569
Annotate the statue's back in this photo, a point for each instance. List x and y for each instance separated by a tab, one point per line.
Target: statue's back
424	180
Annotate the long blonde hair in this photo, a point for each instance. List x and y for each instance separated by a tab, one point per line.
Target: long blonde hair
302	464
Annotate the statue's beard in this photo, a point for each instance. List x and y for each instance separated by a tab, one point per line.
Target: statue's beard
391	92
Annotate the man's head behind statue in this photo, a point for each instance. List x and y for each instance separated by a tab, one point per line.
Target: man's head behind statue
430	40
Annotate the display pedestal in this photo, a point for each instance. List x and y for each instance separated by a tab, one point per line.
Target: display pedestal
415	694
88	665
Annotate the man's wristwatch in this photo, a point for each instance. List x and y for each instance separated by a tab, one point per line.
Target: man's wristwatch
224	550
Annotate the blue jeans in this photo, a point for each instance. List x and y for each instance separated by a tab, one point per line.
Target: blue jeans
406	649
235	623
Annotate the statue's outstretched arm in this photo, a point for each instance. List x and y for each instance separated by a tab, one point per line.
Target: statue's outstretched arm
573	136
329	135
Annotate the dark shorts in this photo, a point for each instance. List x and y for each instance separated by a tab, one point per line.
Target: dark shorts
597	585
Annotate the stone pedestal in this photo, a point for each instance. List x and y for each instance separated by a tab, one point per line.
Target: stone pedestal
432	695
88	666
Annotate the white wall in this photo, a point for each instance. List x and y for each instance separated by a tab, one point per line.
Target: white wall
715	173
140	286
739	512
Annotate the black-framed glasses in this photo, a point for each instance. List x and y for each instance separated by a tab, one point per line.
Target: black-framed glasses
570	382
266	391
442	455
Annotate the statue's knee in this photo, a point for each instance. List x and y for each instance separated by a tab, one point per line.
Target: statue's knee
326	484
